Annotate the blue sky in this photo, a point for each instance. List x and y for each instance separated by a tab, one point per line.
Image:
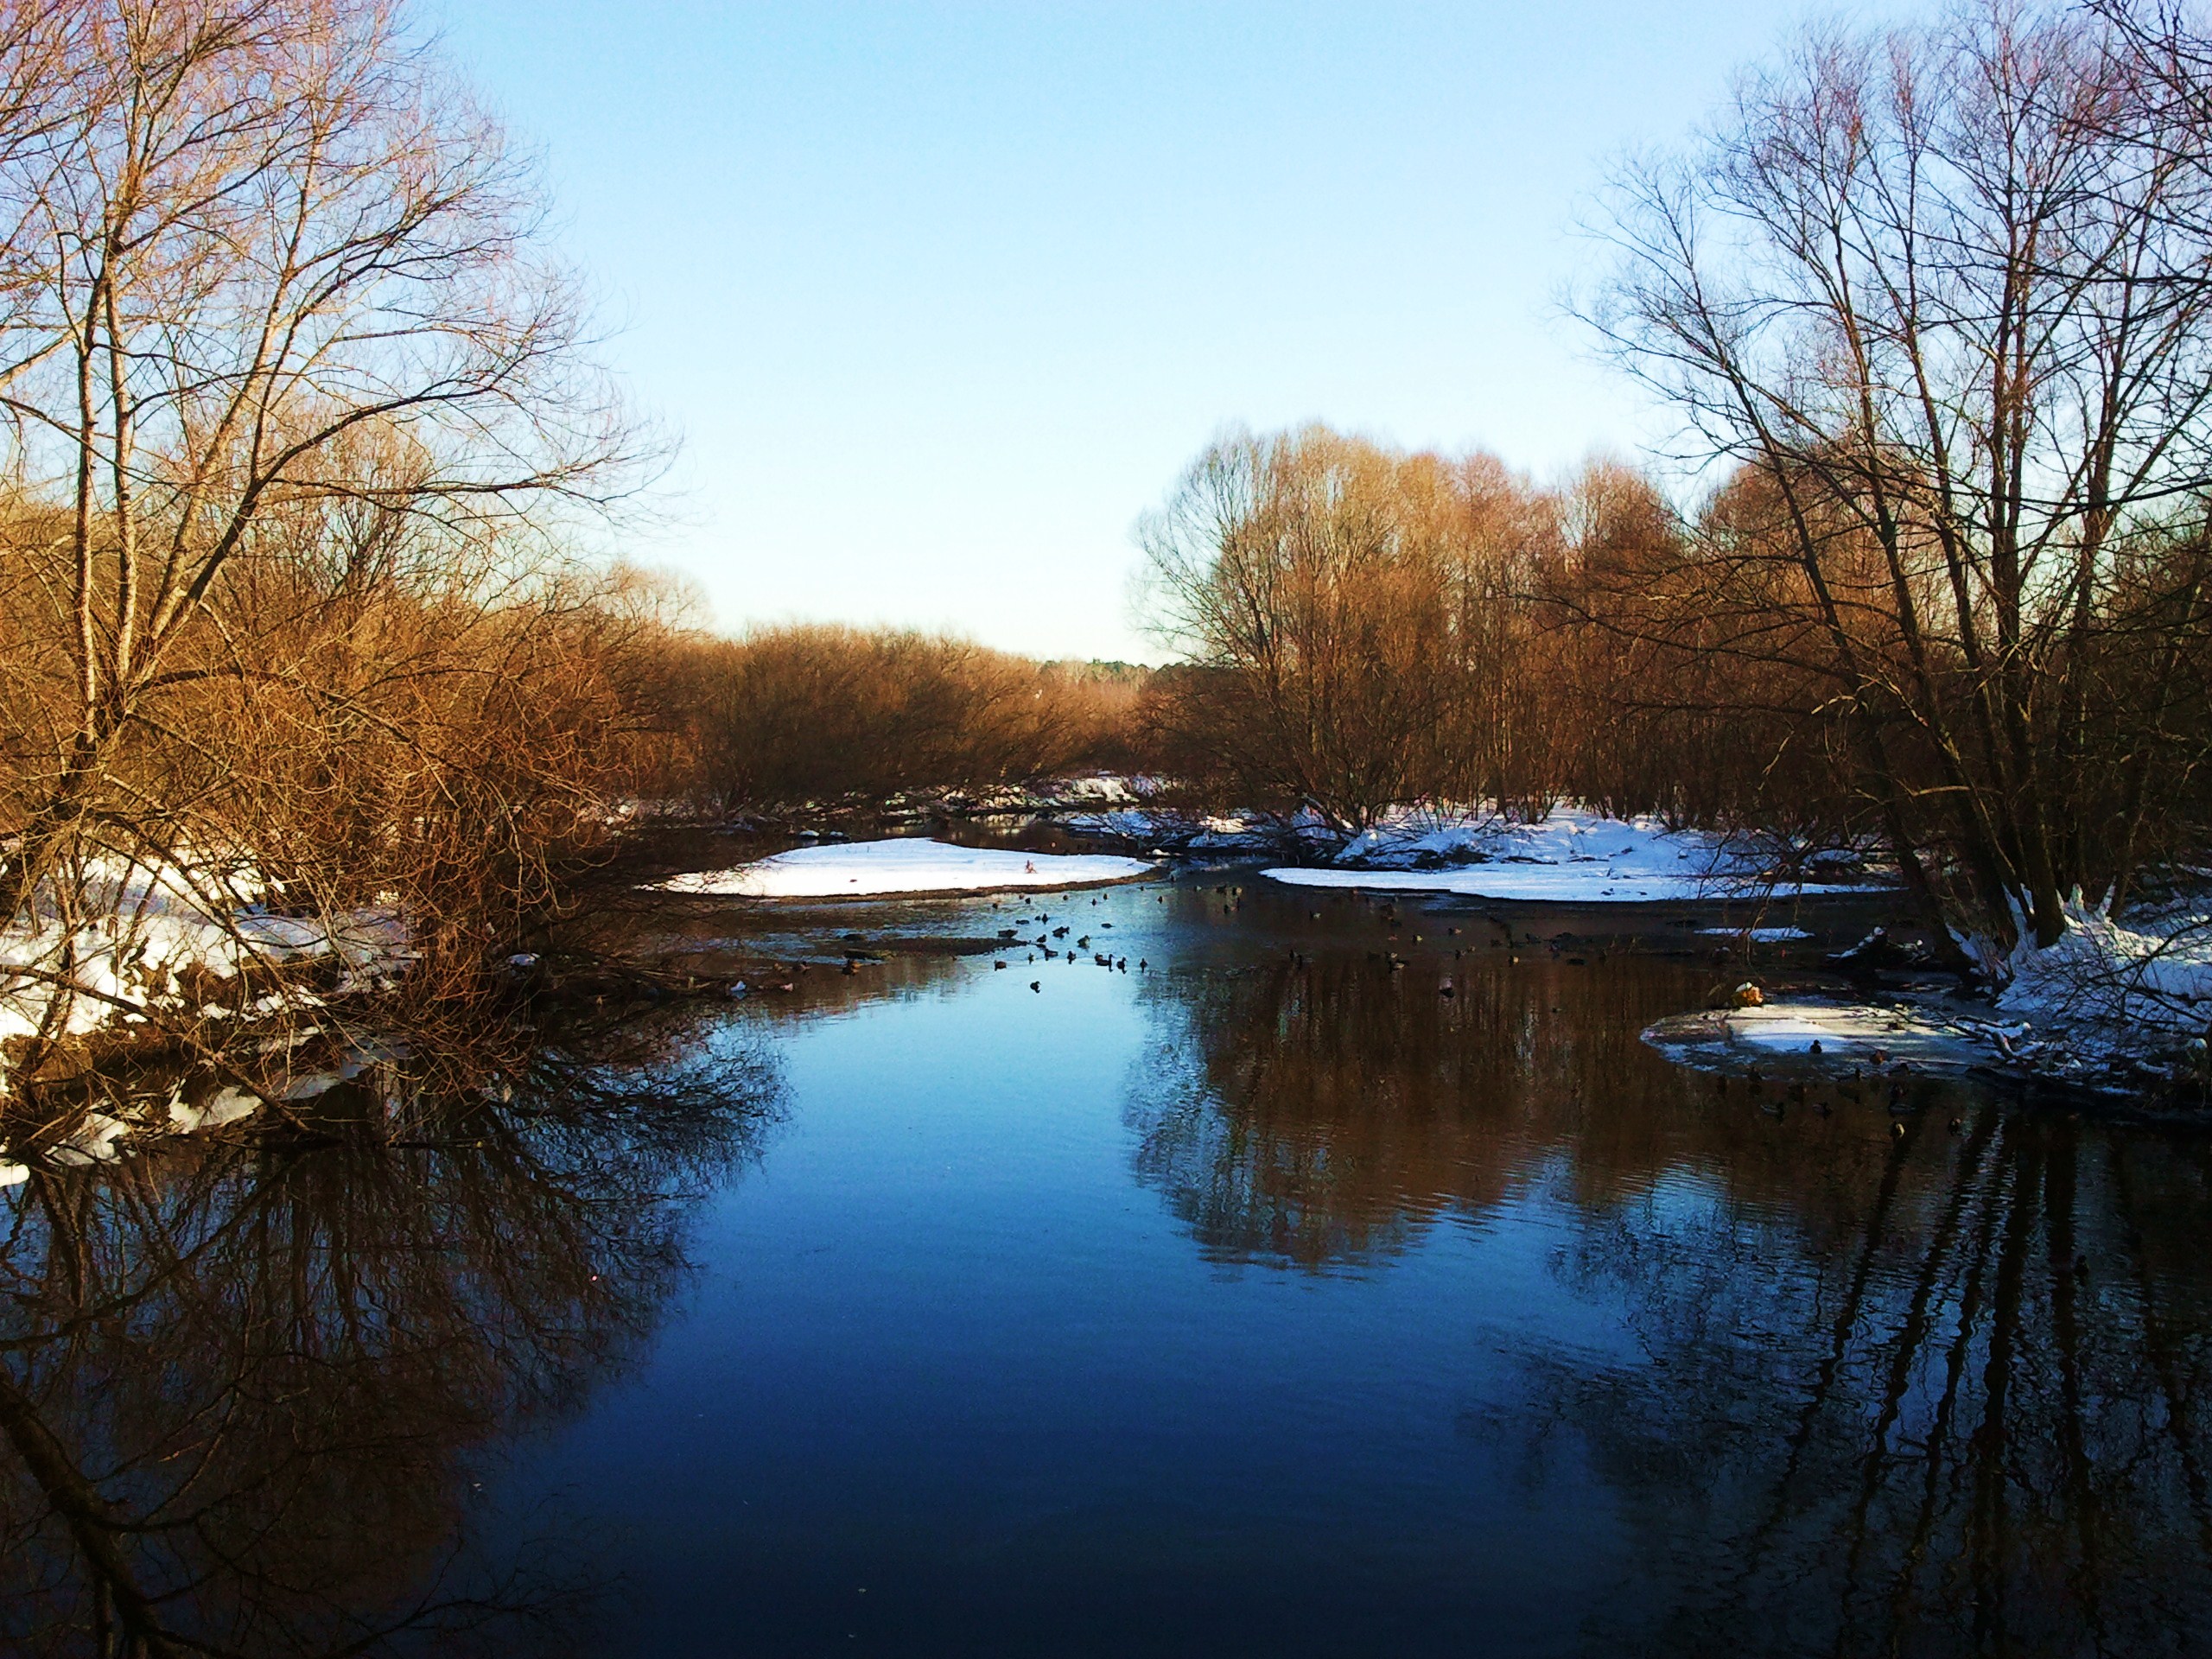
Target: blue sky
941	297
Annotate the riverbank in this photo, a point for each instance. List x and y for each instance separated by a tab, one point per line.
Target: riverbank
276	1008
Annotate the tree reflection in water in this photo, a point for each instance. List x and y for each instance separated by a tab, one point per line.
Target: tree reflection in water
1325	1114
1930	1394
1972	1426
249	1388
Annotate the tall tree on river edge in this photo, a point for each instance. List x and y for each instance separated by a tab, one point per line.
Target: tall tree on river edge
276	331
1939	295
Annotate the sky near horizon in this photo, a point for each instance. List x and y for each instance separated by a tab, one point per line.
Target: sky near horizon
940	298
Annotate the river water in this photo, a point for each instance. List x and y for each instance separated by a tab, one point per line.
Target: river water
1258	1298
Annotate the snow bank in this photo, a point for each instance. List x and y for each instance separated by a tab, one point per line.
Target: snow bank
902	865
1088	790
2107	999
149	930
1111	787
2120	976
1571	856
140	945
2107	1007
1205	833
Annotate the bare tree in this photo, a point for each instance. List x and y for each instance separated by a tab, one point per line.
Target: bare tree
260	249
299	415
1934	288
1359	620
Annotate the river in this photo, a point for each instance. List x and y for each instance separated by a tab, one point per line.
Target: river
1255	1297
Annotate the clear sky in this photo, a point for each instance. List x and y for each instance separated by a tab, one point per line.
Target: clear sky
940	298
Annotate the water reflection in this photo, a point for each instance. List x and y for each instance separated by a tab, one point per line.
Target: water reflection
1923	1382
1971	1423
247	1387
1323	1110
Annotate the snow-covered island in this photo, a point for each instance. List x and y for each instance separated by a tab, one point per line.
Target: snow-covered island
2108	1008
1830	1035
904	864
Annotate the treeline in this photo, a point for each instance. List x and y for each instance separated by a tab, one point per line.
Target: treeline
1362	628
818	715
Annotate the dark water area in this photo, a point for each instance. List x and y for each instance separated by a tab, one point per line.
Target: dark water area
1258	1299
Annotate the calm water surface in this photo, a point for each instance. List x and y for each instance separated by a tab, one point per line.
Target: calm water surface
1264	1299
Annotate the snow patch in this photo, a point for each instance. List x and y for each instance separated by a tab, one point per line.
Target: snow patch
902	865
141	929
93	1142
227	1105
1570	855
2107	997
1241	831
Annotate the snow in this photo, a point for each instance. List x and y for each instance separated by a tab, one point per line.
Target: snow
1111	787
364	940
2103	971
94	1142
1759	935
903	865
1573	855
2107	1007
150	938
1126	823
146	927
1199	833
1849	1035
226	1106
2106	997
